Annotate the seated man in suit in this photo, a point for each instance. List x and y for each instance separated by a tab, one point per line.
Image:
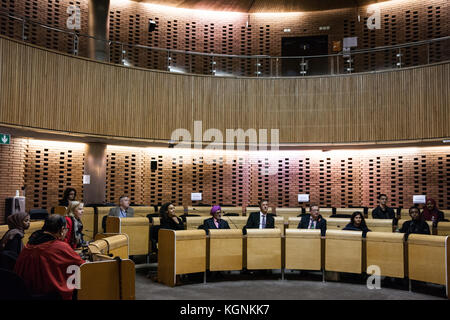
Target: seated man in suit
123	210
216	222
313	221
260	220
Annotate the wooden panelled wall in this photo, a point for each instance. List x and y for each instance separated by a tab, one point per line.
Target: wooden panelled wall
335	178
44	89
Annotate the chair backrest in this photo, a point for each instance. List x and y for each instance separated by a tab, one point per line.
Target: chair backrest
12	286
38	214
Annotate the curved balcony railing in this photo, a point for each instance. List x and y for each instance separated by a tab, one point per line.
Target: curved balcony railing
353	61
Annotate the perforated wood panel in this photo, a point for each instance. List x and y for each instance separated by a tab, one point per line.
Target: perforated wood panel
48	171
238	34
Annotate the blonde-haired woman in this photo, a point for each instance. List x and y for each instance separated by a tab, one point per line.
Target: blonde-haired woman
74	236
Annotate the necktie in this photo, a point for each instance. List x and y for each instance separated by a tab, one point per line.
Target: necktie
312	225
263	224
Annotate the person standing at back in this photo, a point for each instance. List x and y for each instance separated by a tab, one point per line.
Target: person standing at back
260	220
123	210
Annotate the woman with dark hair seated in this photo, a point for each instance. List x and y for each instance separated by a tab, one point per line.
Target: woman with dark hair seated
216	221
357	223
69	195
416	224
44	262
11	244
168	218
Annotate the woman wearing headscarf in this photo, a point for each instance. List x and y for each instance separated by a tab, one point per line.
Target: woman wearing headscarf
431	212
11	244
169	219
216	221
74	236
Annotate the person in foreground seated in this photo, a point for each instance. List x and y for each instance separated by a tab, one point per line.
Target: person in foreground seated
43	262
123	210
416	224
260	220
74	236
169	220
11	243
357	223
216	221
432	213
313	221
70	194
382	211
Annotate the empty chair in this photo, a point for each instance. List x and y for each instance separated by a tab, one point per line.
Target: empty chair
38	214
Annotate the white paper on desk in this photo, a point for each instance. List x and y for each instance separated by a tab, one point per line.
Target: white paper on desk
196	196
419	198
303	197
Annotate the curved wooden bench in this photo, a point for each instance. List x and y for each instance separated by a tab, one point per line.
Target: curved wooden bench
428	258
180	252
262	249
107	280
303	250
387	251
224	250
137	229
343	251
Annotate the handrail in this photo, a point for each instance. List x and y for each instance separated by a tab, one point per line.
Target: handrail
124	45
381	48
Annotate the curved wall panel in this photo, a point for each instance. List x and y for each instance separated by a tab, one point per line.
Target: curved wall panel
45	89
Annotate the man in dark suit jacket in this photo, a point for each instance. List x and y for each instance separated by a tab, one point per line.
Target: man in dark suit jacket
123	210
313	221
260	220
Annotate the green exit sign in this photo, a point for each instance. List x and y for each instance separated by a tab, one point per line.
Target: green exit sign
5	138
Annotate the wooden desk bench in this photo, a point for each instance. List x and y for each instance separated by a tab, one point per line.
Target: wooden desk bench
428	259
224	250
344	251
262	249
137	229
379	225
180	252
107	280
337	223
386	250
303	249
